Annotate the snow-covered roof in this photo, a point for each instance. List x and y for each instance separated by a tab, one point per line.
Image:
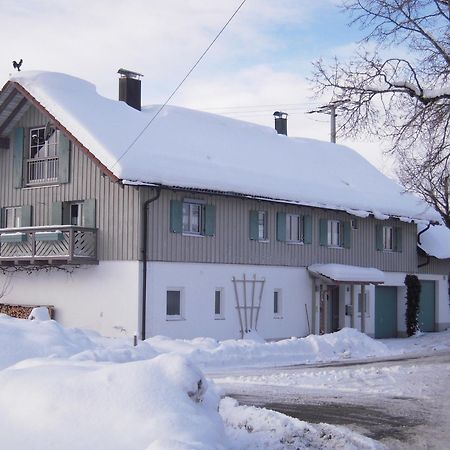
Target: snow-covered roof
191	149
435	241
342	273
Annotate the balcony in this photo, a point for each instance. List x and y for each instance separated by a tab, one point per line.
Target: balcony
42	170
49	245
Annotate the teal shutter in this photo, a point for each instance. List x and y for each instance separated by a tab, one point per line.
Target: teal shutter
63	158
56	217
176	216
281	226
346	235
307	230
2	215
89	213
210	220
19	142
323	232
379	237
254	225
26	216
398	239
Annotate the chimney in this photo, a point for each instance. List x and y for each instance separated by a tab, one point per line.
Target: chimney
130	88
280	122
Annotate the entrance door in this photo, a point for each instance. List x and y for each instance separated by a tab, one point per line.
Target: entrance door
427	306
385	312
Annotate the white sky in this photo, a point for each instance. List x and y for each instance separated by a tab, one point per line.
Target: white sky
260	64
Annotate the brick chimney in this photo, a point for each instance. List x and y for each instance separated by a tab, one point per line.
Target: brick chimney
280	122
130	88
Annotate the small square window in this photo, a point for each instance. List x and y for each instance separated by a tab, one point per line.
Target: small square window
173	304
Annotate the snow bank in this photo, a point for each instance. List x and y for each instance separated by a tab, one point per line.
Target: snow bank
199	150
435	241
160	404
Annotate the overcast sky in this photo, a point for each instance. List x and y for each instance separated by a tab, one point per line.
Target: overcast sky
260	63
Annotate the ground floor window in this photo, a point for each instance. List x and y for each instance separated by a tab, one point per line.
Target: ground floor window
365	302
218	304
277	303
173	304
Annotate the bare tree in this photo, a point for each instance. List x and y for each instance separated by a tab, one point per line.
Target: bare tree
404	98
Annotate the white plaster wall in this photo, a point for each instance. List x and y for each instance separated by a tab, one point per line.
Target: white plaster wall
103	297
198	283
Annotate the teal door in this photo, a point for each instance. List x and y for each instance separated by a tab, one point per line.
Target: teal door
385	312
427	306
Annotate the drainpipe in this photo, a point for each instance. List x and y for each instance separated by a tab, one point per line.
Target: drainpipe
418	241
144	256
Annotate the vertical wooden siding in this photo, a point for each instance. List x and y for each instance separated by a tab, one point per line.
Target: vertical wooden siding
231	243
117	206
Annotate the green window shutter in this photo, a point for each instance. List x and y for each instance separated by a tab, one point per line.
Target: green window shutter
323	231
379	237
346	235
281	226
210	220
2	215
176	216
254	225
63	158
26	216
56	217
398	239
307	230
89	213
19	142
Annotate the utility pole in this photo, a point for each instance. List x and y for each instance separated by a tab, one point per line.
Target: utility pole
331	110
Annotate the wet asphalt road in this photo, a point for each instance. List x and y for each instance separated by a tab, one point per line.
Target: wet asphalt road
398	422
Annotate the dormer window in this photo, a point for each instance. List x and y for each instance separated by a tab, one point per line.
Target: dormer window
42	163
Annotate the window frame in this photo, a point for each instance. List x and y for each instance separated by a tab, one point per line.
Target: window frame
219	315
16	217
299	234
278	302
262	225
80	217
174	317
388	238
335	233
366	304
191	204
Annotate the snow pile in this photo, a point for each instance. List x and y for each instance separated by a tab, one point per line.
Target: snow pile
156	404
435	241
204	151
249	429
208	353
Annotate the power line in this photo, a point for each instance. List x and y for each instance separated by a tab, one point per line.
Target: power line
181	83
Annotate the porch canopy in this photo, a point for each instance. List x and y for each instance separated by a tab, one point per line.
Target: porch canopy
343	274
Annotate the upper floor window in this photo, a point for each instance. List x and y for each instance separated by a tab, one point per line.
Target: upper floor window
12	217
388	238
258	225
294	228
42	163
192	217
334	233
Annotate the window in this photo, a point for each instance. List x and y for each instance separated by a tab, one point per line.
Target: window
218	304
76	214
258	225
12	217
388	238
42	164
277	303
173	304
366	304
193	214
334	233
294	228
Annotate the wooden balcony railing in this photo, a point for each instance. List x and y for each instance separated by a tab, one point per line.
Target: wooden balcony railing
56	244
42	170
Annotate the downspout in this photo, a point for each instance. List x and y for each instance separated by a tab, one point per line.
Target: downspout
144	256
418	241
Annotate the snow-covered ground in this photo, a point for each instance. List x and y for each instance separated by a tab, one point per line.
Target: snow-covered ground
73	389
